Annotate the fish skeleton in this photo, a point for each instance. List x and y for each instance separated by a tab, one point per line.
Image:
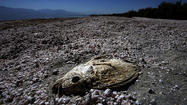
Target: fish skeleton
98	73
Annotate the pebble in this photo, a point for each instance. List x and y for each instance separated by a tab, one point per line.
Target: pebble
121	97
124	102
110	102
150	91
55	72
115	103
36	102
143	60
30	99
20	89
38	92
95	93
46	76
46	103
99	104
160	80
112	99
160	93
132	98
92	90
153	102
176	87
116	96
59	100
62	100
95	97
9	98
87	99
18	83
137	102
114	93
35	80
56	99
107	92
42	103
66	100
127	96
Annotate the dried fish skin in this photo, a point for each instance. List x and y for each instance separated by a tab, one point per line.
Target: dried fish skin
98	73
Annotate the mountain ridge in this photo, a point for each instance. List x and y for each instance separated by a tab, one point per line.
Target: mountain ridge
8	13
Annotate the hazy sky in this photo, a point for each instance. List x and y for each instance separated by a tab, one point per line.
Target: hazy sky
85	6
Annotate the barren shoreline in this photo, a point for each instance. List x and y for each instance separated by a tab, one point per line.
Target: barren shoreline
30	56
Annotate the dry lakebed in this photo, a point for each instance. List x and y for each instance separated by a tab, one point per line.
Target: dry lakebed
32	51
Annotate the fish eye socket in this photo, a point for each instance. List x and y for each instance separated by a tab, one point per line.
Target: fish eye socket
75	79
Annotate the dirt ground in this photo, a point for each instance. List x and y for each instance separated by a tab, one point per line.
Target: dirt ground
30	56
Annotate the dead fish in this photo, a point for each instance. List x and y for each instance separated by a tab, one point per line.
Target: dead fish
98	73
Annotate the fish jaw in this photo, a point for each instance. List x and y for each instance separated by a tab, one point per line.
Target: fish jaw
75	81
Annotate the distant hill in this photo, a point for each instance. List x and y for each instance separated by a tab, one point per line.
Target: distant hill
7	13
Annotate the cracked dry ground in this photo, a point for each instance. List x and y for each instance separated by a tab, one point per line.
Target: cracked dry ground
31	55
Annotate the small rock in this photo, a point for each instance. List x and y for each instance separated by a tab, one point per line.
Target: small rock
114	93
176	87
46	103
36	102
115	103
121	97
38	92
153	102
55	72
116	96
99	104
46	76
87	95
42	103
20	89
107	92
150	91
127	96
62	100
95	97
35	80
79	99
66	100
137	102
160	93
123	102
125	92
9	98
91	90
59	100
104	101
110	103
30	99
43	95
143	60
18	83
112	99
132	98
134	93
160	80
87	99
101	98
95	92
56	99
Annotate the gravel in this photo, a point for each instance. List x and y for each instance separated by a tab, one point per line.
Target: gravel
30	57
